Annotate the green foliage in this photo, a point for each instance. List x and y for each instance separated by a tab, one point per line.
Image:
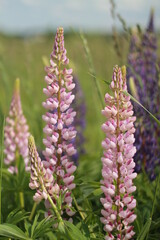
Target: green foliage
12	231
74	232
16	216
39	228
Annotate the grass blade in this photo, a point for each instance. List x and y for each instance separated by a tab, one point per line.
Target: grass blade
92	69
135	100
145	230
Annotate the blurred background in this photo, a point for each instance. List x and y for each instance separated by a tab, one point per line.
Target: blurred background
27	35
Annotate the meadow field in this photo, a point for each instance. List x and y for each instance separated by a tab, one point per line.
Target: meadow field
23	58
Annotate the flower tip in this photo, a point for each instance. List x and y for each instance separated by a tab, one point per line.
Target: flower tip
60	30
123	69
31	141
17	85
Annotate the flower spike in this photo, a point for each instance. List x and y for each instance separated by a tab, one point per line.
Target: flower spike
59	130
16	133
117	160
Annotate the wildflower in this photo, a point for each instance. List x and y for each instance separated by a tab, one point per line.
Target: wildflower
59	131
143	60
41	179
79	121
118	164
16	133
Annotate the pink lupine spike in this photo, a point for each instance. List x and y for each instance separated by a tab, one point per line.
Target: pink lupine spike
118	164
42	180
59	129
16	133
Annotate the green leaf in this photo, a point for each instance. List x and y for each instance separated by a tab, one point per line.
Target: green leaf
16	216
34	224
145	230
61	228
97	192
74	232
12	231
38	229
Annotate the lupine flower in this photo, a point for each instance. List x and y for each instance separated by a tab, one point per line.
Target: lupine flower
59	130
146	78
41	179
16	133
79	122
118	164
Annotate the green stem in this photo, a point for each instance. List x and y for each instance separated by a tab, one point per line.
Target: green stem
21	198
1	160
55	209
21	194
33	211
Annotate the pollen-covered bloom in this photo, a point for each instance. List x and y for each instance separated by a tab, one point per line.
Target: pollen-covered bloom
59	129
118	164
16	133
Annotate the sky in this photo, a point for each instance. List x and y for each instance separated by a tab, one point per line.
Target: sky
34	16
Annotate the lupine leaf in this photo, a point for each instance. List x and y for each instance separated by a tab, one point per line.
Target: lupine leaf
38	229
12	231
74	232
16	216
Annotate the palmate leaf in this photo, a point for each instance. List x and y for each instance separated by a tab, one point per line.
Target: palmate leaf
16	216
74	232
38	229
12	231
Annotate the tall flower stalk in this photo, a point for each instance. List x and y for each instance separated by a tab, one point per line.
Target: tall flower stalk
143	58
16	133
41	179
117	160
59	130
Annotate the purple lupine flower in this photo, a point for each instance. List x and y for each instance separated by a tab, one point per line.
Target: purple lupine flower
118	164
59	129
144	65
16	133
79	122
